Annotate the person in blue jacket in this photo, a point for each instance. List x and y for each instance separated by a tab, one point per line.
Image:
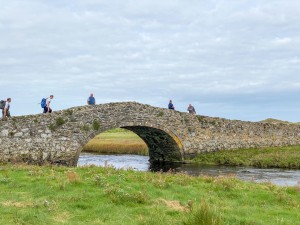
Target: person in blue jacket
91	100
171	106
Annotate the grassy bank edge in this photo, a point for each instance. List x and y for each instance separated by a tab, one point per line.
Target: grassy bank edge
268	157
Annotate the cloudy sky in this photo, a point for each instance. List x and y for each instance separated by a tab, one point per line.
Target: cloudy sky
232	59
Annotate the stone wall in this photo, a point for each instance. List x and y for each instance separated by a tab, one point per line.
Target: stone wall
58	138
222	134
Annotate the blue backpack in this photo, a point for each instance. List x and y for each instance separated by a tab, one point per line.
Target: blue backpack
44	103
2	104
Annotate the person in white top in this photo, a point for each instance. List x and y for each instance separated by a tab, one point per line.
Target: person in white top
5	110
47	108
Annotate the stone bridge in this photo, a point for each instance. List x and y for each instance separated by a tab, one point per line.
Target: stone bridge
58	138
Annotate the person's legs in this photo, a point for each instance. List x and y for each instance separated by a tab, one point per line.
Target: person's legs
50	110
45	109
7	113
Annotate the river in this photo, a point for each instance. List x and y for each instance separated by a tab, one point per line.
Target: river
281	177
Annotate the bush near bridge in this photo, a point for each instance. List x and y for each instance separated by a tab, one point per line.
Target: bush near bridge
95	195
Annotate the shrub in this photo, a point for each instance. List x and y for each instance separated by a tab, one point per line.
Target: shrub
59	121
96	125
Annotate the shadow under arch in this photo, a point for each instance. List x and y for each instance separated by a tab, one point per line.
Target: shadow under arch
163	145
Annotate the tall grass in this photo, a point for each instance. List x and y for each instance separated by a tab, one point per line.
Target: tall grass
117	141
204	214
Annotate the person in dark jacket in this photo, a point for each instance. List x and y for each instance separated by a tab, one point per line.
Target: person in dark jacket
171	106
191	109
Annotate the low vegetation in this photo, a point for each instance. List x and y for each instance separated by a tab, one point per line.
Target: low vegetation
276	121
280	157
117	141
104	195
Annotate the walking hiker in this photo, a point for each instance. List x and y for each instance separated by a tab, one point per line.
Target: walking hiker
91	100
45	103
171	106
5	105
191	109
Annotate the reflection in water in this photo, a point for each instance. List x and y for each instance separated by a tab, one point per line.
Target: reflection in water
281	177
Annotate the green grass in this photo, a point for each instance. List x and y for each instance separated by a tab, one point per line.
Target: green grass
281	157
95	195
276	121
117	141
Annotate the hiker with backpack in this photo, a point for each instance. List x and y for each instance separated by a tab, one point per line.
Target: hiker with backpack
45	104
5	105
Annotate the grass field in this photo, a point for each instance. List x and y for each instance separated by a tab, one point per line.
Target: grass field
94	195
281	157
117	141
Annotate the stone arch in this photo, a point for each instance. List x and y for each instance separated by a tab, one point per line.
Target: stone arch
163	144
58	138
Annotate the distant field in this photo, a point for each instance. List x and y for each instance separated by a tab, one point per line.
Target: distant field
117	141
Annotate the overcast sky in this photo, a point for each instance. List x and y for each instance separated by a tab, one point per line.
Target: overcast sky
232	59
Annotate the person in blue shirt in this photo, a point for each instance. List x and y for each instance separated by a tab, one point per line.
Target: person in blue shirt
91	100
47	108
171	106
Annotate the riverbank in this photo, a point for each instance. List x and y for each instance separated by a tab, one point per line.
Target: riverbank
97	195
121	141
117	141
279	157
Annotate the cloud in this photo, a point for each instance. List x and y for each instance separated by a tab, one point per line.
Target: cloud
282	41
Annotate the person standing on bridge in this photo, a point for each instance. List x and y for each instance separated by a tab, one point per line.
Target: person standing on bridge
47	108
5	109
171	106
191	109
91	100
